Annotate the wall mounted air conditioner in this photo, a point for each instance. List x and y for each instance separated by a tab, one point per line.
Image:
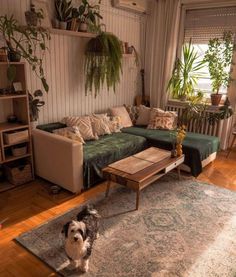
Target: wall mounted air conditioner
139	6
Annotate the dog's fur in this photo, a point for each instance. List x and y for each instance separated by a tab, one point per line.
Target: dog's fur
80	235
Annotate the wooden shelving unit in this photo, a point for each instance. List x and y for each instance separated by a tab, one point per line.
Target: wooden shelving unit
20	108
72	33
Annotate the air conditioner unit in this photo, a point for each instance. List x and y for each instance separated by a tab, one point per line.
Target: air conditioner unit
139	6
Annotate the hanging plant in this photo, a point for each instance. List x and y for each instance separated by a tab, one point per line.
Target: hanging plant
103	62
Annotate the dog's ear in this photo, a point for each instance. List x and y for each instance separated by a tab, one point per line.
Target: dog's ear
65	229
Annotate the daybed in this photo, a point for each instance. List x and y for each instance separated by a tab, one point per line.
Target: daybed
76	167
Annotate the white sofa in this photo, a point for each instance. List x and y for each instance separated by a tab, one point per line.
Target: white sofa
58	160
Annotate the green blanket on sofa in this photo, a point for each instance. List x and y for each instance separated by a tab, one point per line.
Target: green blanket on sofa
196	147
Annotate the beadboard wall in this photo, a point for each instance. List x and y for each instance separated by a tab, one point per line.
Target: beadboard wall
64	66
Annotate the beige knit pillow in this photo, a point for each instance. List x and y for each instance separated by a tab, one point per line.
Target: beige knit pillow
144	115
99	124
123	114
160	119
71	133
84	125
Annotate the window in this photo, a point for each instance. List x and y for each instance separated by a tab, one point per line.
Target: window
200	25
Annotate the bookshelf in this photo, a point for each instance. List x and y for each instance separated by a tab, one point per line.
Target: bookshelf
11	160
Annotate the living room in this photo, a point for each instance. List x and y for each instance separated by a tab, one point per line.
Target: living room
117	138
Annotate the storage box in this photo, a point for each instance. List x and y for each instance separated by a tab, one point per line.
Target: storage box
18	174
19	150
16	137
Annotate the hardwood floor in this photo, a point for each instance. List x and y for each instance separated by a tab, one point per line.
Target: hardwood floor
31	205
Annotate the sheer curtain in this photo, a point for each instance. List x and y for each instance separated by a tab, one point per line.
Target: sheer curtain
161	46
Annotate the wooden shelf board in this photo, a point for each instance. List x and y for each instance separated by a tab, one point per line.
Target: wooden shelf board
11	158
72	33
9	145
12	63
13	96
5	185
5	126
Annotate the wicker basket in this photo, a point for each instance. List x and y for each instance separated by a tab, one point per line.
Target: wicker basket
19	151
16	137
18	174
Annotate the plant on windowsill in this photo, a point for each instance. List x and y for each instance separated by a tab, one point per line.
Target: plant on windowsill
103	62
25	42
219	59
185	74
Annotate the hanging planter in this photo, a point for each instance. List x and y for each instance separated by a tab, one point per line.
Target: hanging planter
103	62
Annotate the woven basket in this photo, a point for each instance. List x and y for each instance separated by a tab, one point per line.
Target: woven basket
18	175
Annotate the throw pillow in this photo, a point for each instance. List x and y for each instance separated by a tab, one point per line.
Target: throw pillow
160	119
99	124
144	115
133	112
83	123
123	114
114	124
71	133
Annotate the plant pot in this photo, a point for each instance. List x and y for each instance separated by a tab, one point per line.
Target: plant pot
83	27
33	124
215	99
31	18
56	23
74	24
63	25
13	56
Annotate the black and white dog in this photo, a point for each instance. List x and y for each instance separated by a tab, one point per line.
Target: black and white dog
80	235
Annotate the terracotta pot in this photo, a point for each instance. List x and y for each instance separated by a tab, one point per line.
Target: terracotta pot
63	25
215	99
83	27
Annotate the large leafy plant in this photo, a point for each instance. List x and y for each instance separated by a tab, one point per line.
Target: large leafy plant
89	13
63	10
35	103
219	58
186	73
28	42
103	62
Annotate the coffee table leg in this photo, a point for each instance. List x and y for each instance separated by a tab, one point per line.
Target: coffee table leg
108	187
137	199
178	169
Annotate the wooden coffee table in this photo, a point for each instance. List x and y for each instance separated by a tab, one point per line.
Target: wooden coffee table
140	170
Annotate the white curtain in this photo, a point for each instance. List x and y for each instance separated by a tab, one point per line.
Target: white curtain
161	45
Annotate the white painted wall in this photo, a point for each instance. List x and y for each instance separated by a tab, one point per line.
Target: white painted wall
64	65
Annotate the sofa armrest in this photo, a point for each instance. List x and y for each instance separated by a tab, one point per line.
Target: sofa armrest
58	160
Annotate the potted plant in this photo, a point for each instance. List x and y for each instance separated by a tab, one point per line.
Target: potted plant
33	17
63	10
25	42
88	15
185	74
74	20
103	62
219	58
35	103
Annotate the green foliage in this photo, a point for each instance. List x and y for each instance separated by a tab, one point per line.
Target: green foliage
219	58
88	13
103	62
29	42
63	10
185	74
35	103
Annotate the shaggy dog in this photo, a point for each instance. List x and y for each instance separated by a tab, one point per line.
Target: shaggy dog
80	235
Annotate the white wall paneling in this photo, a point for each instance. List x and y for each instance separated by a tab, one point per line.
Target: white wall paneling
64	65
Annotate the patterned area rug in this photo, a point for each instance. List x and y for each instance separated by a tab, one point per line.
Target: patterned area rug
182	229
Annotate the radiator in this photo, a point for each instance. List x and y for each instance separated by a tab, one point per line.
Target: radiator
221	128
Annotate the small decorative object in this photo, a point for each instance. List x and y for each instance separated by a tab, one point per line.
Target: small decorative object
35	103
19	150
32	17
63	10
219	58
12	118
55	189
17	87
41	9
180	136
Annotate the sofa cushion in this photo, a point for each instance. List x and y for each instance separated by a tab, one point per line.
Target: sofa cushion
123	114
71	133
196	147
99	124
108	149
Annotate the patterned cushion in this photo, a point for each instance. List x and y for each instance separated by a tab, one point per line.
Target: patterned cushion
84	125
160	119
123	114
70	132
114	124
133	112
99	124
144	115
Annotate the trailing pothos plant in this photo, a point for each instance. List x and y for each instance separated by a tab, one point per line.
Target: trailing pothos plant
28	42
103	62
185	73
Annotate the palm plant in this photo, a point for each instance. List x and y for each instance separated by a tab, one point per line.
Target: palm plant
103	63
185	73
